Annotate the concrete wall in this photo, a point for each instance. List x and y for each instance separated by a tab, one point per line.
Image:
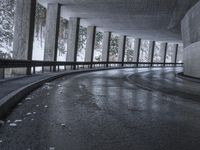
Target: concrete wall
191	60
190	27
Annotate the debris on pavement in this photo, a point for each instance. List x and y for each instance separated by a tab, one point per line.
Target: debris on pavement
19	104
13	124
63	125
16	121
29	113
28	98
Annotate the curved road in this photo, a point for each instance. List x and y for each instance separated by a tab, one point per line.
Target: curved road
128	109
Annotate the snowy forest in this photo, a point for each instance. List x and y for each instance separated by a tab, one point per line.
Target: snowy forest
7	9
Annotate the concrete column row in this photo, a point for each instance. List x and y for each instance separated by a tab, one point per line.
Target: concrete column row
24	33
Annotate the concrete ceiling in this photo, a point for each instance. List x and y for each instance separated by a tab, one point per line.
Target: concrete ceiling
147	19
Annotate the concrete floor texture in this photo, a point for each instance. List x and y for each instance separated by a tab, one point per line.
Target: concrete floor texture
126	109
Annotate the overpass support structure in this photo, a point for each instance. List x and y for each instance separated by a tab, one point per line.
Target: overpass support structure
24	35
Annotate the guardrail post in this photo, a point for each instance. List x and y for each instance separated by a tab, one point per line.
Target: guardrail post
42	69
58	67
54	68
2	73
34	70
28	70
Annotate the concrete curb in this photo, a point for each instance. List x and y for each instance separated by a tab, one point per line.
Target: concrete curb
189	78
8	102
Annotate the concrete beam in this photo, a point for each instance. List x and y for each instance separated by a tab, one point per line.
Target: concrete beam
91	34
52	31
23	31
106	46
74	24
151	51
121	50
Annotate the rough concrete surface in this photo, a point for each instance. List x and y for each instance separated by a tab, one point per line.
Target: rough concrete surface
191	60
129	109
190	26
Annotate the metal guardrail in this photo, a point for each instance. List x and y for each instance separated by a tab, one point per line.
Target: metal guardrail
55	66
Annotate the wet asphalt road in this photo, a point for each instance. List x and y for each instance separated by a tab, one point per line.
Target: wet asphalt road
129	109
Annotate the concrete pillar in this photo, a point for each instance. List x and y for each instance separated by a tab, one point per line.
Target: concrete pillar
175	53
151	51
74	24
106	46
163	52
137	50
121	50
91	34
52	31
24	32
